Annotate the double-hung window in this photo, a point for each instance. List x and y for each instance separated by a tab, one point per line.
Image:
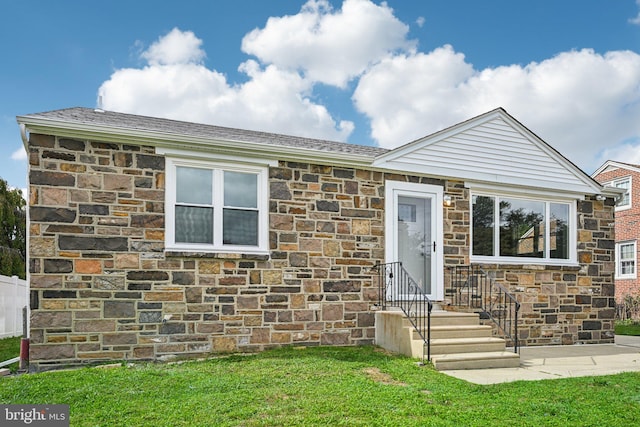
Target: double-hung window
626	260
522	230
216	207
624	202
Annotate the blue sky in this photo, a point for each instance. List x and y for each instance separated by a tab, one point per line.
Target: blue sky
361	71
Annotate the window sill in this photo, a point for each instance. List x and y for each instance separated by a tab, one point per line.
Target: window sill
498	263
625	277
259	256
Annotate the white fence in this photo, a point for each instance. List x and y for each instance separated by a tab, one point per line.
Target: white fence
14	295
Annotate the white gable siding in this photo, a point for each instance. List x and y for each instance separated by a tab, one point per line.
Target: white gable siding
493	151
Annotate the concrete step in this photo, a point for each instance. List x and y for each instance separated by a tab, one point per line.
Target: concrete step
467	345
482	360
449	318
458	331
458	341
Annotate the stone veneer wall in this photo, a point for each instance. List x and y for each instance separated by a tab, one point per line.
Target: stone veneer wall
103	287
559	304
627	229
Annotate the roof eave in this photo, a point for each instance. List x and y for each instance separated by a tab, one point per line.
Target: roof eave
176	140
616	164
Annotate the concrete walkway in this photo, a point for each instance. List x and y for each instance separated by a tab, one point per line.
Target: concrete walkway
553	362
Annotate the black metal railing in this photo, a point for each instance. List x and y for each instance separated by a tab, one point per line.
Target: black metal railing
396	288
468	286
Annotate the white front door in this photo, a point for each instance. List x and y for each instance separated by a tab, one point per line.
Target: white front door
414	233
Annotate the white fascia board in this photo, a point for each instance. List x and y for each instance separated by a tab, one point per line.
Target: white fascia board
493	179
199	155
191	143
510	190
601	169
613	163
611	191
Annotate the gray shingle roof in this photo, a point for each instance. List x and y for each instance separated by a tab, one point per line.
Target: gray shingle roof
88	116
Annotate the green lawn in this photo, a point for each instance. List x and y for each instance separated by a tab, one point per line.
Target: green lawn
627	327
333	386
10	348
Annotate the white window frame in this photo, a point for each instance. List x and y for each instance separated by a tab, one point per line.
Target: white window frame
619	180
547	260
218	168
619	260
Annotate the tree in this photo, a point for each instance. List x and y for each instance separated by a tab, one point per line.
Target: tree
13	226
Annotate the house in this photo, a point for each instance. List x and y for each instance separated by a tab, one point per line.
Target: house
627	232
152	238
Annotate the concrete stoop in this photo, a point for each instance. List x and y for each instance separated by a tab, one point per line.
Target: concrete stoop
478	360
458	340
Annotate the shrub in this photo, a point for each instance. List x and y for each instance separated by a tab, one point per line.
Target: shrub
629	309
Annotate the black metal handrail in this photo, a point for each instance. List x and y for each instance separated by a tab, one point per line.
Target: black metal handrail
396	288
470	286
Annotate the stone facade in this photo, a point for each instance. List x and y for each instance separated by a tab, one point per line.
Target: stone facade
559	304
626	227
103	287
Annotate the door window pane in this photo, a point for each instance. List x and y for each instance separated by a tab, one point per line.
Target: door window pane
194	225
240	227
240	190
483	225
194	185
414	238
522	228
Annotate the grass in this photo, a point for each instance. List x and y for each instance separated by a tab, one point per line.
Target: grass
627	327
10	348
336	386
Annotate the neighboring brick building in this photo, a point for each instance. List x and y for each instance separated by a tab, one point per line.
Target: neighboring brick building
627	218
151	238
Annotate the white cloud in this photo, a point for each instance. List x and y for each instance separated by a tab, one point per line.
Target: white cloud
636	20
177	47
317	45
420	21
579	101
329	46
175	84
20	154
405	96
627	152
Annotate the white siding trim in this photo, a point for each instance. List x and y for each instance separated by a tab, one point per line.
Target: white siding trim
492	148
216	157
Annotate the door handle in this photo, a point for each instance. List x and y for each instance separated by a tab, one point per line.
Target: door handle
434	246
